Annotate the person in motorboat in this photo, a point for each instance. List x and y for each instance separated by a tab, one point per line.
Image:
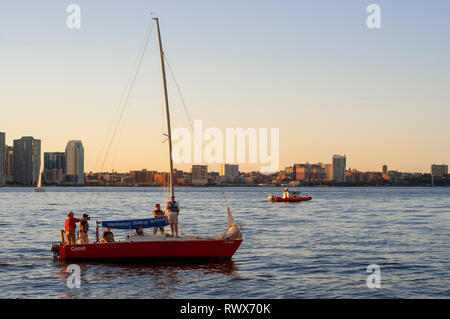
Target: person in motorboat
83	232
70	227
108	236
289	194
173	208
286	193
158	213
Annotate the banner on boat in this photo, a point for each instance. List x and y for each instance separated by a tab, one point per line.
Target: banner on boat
133	223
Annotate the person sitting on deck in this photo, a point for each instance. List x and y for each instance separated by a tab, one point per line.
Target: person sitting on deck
70	227
158	213
173	209
140	231
108	236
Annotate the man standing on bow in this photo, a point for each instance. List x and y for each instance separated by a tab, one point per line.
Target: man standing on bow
173	209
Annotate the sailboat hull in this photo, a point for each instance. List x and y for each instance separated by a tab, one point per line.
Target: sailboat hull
156	250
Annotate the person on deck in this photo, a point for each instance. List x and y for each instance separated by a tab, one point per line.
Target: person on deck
140	232
108	236
83	232
173	209
70	227
158	213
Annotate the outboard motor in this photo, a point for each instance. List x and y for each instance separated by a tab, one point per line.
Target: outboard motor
55	251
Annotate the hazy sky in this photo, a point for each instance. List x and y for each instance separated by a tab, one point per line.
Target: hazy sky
313	69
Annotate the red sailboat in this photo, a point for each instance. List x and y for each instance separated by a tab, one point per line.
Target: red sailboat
154	246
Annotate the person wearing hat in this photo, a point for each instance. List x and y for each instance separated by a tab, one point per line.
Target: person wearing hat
83	232
70	227
173	209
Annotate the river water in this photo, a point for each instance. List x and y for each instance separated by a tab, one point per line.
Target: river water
316	249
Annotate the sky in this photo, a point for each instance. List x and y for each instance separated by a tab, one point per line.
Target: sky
312	69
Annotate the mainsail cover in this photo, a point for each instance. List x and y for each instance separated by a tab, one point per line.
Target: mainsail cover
133	223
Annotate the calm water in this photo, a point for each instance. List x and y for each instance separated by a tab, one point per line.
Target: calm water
316	249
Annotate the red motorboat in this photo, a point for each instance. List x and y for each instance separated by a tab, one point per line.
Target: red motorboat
138	246
289	197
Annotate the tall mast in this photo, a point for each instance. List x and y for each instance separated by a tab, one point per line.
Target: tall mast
166	101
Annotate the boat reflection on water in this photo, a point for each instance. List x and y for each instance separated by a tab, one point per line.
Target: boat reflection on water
148	279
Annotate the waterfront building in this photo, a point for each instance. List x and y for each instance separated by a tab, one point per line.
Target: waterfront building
339	163
9	164
289	173
439	170
54	168
199	174
161	178
310	172
26	161
2	159
228	172
328	168
55	160
74	162
52	176
385	169
303	172
142	177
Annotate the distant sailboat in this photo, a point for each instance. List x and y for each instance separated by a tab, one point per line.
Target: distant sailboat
39	187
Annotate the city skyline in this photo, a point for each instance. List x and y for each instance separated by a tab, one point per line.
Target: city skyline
21	166
378	96
77	146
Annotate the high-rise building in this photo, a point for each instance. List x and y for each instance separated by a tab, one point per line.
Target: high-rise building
439	170
74	165
339	163
385	169
2	159
9	164
55	160
54	167
26	161
328	171
229	171
199	174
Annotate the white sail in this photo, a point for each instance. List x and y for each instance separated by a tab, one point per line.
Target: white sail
39	184
231	221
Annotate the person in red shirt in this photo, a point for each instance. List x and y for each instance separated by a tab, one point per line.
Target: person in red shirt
70	227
